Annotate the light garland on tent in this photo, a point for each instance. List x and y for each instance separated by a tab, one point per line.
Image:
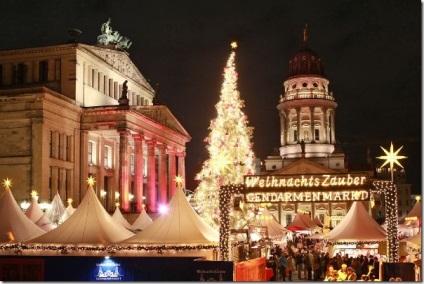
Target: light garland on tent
19	247
225	196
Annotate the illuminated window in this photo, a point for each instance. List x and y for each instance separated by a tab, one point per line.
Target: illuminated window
90	152
132	164
304	84
108	157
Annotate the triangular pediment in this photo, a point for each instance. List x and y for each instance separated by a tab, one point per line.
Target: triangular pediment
119	60
162	115
303	166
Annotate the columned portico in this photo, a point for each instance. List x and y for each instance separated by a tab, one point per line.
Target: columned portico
139	171
124	170
172	168
162	174
151	175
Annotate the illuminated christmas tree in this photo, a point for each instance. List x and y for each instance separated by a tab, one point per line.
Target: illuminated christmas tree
230	150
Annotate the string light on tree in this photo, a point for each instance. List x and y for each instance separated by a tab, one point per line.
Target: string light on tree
390	196
230	150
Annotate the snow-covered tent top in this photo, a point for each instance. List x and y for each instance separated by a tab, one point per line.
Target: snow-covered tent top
275	230
14	225
302	222
69	208
142	222
90	224
36	215
414	241
118	217
412	219
357	225
180	226
57	212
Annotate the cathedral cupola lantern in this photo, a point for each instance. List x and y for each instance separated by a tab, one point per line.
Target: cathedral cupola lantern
307	107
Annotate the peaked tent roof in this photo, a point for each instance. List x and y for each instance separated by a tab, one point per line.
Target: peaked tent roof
14	225
142	222
416	211
57	212
180	226
36	215
70	209
275	230
90	224
302	222
118	217
357	225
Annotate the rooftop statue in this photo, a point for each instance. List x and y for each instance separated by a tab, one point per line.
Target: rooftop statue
109	36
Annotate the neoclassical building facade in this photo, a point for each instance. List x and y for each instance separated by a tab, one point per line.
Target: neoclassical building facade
72	111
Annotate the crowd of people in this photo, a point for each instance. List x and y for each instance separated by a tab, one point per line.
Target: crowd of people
305	258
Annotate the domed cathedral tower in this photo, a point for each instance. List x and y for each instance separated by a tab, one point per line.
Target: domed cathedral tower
307	114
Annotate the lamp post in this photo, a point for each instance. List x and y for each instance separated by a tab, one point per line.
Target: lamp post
390	197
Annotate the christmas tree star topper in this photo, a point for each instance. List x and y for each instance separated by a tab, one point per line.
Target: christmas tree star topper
7	183
391	157
90	181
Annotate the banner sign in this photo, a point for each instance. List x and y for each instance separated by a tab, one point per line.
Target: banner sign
306	188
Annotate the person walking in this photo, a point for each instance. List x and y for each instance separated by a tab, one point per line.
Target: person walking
291	266
282	265
299	265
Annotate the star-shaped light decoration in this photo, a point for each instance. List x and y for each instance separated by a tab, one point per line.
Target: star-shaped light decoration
391	157
234	45
34	193
91	181
178	180
7	183
70	200
117	204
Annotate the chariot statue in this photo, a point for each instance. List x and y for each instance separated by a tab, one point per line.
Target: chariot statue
109	36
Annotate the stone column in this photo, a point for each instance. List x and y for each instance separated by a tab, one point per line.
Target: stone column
84	164
101	158
172	167
287	120
139	167
123	170
151	175
162	178
181	167
324	124
333	127
312	113
282	128
298	125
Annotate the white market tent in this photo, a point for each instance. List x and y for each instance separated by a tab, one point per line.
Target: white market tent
14	225
90	224
36	215
275	229
119	218
180	226
414	241
302	222
57	212
357	225
415	215
142	222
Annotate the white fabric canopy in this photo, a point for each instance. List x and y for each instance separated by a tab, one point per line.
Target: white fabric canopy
70	209
14	225
142	222
356	226
180	226
36	215
302	222
57	212
414	241
275	229
90	224
416	212
118	217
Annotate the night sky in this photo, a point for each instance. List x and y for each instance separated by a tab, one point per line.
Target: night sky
371	52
